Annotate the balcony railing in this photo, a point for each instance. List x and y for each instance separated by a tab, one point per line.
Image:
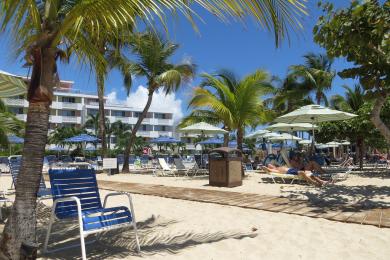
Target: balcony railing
70	119
15	102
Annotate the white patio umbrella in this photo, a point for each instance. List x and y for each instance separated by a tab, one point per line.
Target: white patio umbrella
346	143
333	144
313	114
305	142
284	127
202	128
284	137
258	133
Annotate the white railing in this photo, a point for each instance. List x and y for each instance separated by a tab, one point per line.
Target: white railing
22	117
161	121
15	102
70	119
71	105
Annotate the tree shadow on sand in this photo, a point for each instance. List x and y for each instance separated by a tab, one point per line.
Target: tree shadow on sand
346	198
153	235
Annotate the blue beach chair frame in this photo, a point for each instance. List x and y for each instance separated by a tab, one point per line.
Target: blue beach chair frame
15	162
76	195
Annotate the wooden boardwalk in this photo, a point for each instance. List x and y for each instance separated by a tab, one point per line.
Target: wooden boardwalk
353	213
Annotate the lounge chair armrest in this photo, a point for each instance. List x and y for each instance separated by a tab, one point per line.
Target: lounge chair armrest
121	194
73	198
117	194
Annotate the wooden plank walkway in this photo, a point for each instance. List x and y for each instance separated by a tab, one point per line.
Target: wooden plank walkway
353	213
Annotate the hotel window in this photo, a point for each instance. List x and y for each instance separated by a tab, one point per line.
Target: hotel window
68	113
118	113
146	127
16	110
69	99
163	128
92	112
160	115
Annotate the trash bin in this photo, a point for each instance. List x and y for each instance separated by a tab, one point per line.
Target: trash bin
225	167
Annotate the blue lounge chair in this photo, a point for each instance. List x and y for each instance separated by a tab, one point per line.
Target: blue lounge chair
76	195
15	163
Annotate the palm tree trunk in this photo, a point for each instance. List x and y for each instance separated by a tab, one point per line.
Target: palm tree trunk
376	119
102	116
360	152
226	138
133	136
318	98
21	225
240	138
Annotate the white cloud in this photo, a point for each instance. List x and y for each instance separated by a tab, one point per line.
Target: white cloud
161	102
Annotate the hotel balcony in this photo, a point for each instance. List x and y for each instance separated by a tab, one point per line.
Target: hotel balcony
22	117
65	105
65	119
15	102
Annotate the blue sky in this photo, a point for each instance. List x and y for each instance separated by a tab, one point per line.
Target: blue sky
242	48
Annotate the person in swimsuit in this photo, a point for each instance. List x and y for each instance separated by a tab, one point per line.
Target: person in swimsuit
297	168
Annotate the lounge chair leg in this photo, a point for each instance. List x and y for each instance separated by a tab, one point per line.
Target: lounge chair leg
49	229
82	241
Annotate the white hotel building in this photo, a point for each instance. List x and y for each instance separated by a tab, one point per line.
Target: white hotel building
72	108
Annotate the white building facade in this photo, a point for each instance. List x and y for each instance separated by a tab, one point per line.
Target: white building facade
72	108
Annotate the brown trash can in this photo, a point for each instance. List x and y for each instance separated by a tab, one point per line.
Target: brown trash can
225	167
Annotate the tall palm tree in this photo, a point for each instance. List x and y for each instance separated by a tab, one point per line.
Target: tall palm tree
152	52
121	131
110	47
40	28
315	76
288	96
353	100
93	121
236	102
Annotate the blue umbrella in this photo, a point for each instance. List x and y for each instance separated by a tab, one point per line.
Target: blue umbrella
83	138
212	141
164	140
13	139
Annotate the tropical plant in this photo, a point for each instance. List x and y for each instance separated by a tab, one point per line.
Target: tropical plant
121	131
92	122
288	96
352	102
40	28
152	53
59	134
236	102
315	76
360	33
9	124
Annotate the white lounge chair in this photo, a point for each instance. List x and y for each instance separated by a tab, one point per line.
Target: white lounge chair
165	169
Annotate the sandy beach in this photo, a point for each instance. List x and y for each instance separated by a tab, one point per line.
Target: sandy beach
177	229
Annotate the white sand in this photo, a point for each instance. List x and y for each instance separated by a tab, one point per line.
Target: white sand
193	230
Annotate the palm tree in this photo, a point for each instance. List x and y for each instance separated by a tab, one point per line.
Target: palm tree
315	76
236	102
59	134
93	122
288	96
40	28
121	131
352	102
110	47
152	53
